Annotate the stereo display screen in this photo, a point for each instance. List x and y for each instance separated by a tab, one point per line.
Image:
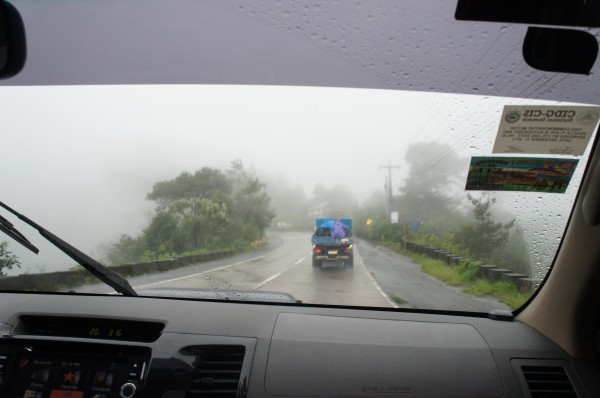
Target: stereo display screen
82	371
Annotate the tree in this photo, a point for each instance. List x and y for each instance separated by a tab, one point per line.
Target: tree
160	234
204	183
125	250
484	237
192	211
251	204
7	259
430	192
205	210
200	222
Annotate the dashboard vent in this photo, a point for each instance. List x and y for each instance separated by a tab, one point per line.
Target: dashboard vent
548	382
217	372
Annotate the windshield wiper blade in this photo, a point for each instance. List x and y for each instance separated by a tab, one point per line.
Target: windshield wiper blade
102	272
9	229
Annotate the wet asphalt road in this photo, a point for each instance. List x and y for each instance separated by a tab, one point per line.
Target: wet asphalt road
380	278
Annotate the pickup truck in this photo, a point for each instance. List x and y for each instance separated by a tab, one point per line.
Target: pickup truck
331	243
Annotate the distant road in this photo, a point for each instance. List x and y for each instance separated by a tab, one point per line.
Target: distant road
380	278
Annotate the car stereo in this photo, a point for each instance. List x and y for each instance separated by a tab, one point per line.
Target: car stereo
50	369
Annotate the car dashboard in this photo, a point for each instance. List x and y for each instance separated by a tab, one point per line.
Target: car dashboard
158	347
60	345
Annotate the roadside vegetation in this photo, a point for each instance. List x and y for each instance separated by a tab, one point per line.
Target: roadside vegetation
7	259
198	213
465	276
433	211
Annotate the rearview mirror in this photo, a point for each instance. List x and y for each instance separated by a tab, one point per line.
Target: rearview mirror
12	41
560	50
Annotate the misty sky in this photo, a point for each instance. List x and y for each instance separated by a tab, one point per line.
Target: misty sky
80	159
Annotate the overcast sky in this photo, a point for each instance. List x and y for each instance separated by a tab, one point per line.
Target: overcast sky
80	160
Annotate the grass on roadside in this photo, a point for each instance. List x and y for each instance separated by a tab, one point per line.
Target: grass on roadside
504	291
398	300
466	276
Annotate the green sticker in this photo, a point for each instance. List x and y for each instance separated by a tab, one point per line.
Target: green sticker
520	174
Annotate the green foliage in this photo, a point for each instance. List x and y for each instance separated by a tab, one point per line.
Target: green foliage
483	238
193	223
514	254
511	253
389	232
125	250
398	300
444	243
465	275
148	255
504	291
207	210
204	183
251	208
457	276
7	259
166	256
160	234
380	229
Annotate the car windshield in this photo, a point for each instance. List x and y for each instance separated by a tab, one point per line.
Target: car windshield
384	156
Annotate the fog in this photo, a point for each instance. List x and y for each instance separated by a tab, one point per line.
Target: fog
80	160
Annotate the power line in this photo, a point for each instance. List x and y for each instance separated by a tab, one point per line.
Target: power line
472	69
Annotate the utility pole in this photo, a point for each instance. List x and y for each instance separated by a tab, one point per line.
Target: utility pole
388	182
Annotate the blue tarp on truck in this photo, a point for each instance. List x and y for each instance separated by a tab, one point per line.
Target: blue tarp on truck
331	243
324	230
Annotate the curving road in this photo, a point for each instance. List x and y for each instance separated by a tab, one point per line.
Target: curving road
380	278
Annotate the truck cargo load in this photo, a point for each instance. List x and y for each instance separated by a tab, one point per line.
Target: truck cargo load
332	242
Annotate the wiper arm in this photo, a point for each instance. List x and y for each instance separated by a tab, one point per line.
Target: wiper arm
9	229
102	272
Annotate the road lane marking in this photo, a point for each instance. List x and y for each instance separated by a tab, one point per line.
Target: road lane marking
277	275
210	270
385	296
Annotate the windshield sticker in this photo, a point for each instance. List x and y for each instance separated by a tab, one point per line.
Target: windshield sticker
520	174
553	130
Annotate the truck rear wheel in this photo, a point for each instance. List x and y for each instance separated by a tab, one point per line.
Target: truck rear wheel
316	263
349	263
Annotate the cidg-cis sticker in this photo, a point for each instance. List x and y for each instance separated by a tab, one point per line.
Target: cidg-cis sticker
548	129
520	174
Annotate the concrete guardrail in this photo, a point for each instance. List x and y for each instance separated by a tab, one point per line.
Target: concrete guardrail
66	279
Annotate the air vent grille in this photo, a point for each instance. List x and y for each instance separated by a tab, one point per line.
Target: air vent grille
548	382
217	371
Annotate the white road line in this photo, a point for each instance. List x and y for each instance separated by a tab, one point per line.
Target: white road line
277	275
385	296
209	270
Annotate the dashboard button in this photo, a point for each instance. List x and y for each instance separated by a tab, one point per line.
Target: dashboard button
136	371
128	390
